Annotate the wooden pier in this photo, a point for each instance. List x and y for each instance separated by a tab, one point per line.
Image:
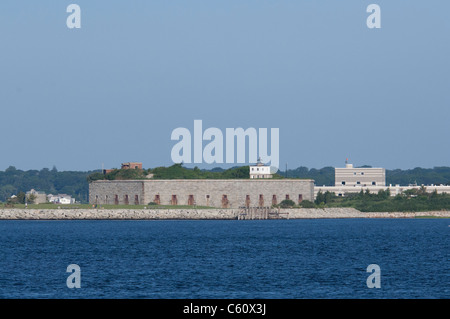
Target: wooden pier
247	213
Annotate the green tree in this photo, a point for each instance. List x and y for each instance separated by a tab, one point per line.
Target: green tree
320	198
434	194
422	190
383	194
307	204
31	198
287	203
21	198
329	197
95	176
325	198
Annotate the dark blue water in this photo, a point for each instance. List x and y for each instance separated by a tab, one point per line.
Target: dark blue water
226	259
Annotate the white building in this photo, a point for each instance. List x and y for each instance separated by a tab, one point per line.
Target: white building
394	189
61	199
260	170
354	180
359	176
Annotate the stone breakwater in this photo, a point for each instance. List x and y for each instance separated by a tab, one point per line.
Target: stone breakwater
118	214
354	213
196	214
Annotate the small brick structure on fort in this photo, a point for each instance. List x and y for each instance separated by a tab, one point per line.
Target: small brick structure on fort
128	165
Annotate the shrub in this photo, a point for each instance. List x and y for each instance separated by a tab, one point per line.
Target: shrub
95	177
287	203
307	204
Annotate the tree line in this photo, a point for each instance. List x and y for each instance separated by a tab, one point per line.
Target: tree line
76	183
15	181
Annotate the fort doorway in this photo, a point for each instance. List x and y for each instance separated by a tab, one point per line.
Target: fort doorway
191	200
274	200
225	201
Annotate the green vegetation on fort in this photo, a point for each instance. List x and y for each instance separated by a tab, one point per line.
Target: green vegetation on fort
176	171
119	174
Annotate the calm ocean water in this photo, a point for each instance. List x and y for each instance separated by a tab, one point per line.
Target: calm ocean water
274	259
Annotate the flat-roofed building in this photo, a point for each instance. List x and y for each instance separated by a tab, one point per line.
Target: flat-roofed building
260	170
359	176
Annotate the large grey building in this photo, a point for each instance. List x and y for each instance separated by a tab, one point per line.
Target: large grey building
224	193
362	176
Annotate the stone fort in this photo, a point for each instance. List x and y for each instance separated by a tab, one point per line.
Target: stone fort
223	193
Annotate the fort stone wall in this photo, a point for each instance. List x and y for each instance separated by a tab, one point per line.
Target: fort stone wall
125	192
215	193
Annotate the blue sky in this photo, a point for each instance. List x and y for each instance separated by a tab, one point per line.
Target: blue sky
114	90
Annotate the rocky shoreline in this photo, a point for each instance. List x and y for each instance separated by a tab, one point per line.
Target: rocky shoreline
197	214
